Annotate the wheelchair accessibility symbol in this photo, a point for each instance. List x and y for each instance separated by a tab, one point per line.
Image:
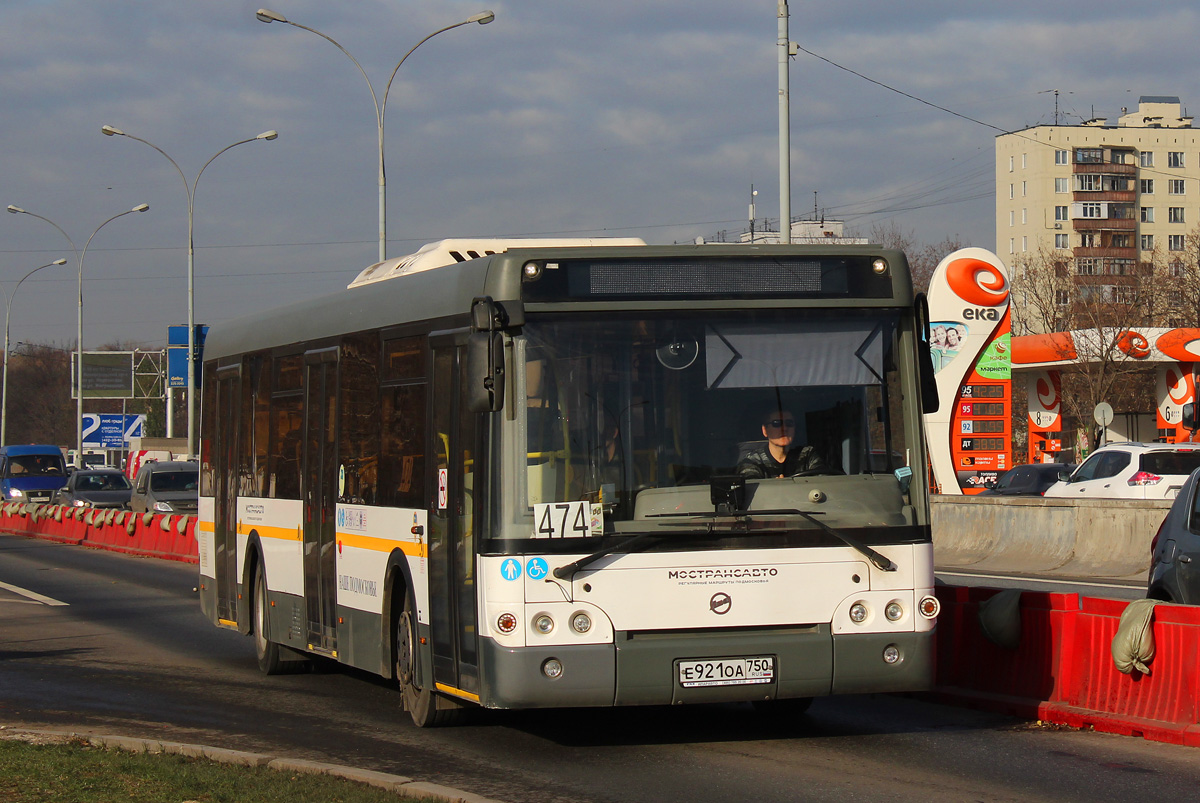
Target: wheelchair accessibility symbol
536	568
510	569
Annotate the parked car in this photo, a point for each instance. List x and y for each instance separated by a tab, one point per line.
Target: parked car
166	487
1175	550
95	487
31	473
1131	471
1030	480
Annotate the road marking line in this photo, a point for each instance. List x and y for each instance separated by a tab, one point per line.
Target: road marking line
33	595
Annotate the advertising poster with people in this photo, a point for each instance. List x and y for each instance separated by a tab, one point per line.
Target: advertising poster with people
970	438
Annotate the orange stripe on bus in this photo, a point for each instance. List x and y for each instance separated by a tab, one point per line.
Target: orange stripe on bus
381	544
281	533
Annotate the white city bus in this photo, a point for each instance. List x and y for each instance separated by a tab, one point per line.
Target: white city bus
508	476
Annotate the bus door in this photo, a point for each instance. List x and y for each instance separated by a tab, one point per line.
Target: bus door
453	502
319	492
225	452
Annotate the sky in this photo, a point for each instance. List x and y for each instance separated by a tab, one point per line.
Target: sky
562	118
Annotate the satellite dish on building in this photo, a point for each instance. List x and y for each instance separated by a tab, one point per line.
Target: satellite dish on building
1103	414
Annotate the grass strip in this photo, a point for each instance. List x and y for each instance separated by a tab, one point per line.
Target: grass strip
71	770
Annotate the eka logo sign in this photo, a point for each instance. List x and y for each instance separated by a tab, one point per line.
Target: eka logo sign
980	284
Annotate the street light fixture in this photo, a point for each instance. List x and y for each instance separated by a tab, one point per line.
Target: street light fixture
190	189
8	297
483	18
16	210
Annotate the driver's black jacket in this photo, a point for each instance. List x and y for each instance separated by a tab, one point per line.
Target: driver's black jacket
759	463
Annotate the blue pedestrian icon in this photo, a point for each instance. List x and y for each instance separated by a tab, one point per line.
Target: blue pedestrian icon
510	569
536	568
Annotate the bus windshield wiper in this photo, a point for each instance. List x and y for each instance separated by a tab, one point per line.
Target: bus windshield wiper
881	562
635	544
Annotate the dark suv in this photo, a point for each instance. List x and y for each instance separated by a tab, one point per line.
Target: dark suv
166	487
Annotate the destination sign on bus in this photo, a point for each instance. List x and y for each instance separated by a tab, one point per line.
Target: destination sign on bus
707	277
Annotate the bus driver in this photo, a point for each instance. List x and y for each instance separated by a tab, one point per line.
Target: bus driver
778	457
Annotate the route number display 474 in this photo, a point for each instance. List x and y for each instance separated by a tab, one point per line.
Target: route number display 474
567	520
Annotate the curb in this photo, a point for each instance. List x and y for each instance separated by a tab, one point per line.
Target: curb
397	784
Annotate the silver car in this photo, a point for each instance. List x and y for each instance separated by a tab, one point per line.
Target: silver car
166	487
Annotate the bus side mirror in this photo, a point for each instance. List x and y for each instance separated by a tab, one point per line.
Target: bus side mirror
929	390
485	372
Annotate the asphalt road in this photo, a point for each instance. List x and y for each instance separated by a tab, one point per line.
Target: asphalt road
129	653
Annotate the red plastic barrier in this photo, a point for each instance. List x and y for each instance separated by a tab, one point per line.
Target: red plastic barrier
1063	671
1012	681
148	540
1160	706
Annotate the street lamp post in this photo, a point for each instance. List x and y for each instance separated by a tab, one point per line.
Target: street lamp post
190	189
483	18
16	210
8	297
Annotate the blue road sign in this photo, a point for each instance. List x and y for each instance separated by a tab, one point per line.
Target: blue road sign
111	430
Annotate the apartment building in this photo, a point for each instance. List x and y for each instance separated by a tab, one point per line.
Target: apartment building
1110	196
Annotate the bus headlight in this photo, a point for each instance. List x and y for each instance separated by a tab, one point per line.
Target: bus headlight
858	613
929	607
880	266
891	654
506	623
552	668
894	611
543	624
531	271
581	622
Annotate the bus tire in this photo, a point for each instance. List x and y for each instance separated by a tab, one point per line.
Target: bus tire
421	704
265	650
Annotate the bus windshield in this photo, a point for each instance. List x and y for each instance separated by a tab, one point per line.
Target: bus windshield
610	406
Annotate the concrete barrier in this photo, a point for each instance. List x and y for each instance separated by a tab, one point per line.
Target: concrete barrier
1064	537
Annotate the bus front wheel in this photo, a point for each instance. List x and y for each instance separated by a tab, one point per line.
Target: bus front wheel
421	704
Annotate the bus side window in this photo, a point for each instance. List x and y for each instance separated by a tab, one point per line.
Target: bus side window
402	456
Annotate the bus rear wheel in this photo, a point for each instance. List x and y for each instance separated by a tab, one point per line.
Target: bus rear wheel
265	650
421	704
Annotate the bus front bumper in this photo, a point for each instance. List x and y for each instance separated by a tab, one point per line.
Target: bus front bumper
643	668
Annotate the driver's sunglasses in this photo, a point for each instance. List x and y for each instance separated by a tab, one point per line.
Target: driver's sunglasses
780	423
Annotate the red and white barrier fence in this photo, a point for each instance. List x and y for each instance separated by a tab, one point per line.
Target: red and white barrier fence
156	535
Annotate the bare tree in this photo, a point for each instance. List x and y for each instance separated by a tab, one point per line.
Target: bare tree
923	258
39	396
1103	302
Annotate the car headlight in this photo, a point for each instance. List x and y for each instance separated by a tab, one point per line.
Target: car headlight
79	503
163	507
15	493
